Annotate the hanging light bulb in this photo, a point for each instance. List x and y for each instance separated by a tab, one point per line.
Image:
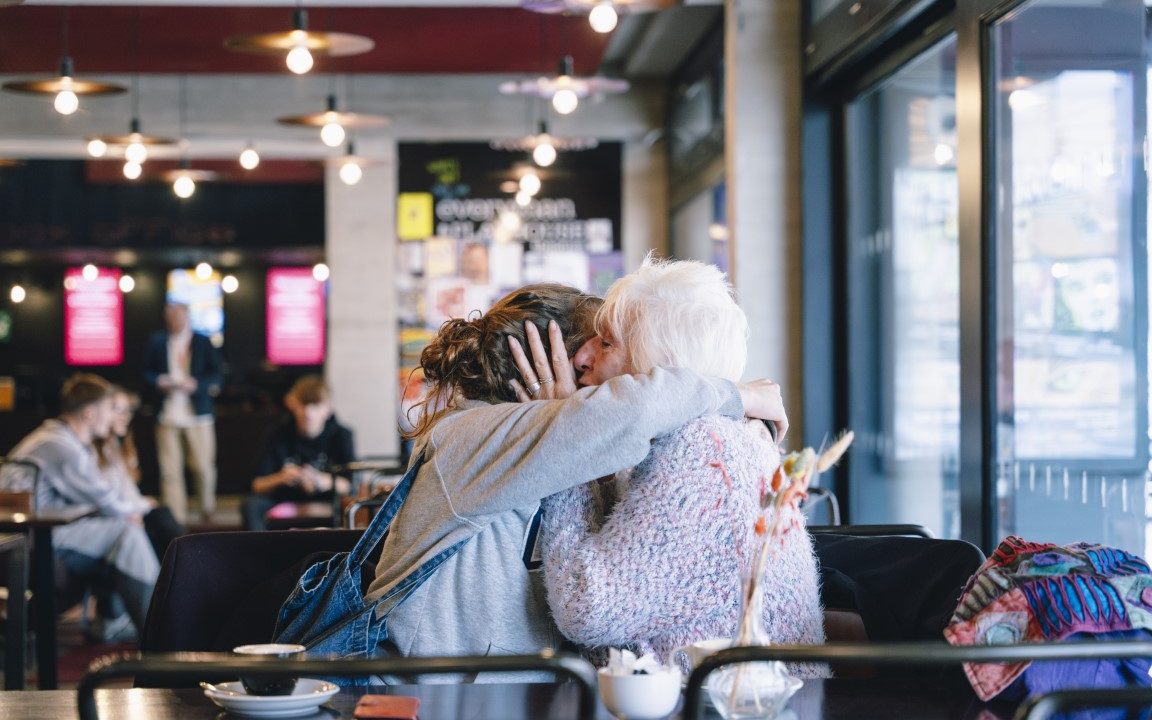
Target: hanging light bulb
351	172
133	170
97	147
603	17
544	154
565	99
66	101
229	284
184	187
530	183
299	60
136	152
203	270
332	134
320	272
127	284
89	272
17	294
523	199
249	158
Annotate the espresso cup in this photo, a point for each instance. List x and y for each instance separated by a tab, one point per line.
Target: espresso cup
689	656
269	684
648	696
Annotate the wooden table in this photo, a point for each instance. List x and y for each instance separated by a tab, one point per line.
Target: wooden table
872	699
38	526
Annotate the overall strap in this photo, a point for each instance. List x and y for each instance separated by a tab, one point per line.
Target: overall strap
378	528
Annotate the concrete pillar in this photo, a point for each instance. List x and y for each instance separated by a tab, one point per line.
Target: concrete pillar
762	159
644	202
362	344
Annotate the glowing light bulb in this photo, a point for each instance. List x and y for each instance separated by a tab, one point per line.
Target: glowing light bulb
136	152
565	101
184	186
66	101
523	198
320	272
332	134
544	154
17	294
249	159
229	284
603	17
203	271
351	172
127	284
97	147
89	272
299	60
530	183
132	170
943	154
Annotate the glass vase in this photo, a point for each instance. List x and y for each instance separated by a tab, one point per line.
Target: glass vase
756	690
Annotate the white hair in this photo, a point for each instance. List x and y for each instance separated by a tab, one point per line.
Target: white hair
677	313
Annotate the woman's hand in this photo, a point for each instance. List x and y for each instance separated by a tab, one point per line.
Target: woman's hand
543	378
762	400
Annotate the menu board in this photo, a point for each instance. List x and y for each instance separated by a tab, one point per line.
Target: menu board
295	317
93	318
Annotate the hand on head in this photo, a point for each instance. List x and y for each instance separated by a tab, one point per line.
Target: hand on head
544	377
762	400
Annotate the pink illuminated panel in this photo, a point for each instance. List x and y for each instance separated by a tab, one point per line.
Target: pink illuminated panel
295	307
93	318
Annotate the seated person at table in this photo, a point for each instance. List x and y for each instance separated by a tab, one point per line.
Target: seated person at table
489	461
294	465
118	460
112	547
664	568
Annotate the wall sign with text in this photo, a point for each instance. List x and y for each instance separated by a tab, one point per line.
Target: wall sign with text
93	318
295	317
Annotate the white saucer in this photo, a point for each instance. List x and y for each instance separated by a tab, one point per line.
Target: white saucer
304	700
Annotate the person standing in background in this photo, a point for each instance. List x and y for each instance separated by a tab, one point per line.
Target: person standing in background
185	370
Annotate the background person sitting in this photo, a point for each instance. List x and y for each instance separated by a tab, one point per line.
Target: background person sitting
112	548
292	468
118	460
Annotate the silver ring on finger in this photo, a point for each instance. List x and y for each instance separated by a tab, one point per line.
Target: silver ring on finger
545	381
534	388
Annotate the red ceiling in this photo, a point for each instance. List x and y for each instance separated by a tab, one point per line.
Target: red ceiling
190	39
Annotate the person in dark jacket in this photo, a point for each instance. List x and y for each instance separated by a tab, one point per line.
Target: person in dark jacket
185	370
294	466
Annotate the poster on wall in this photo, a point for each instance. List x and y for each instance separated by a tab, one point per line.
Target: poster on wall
466	239
295	331
93	317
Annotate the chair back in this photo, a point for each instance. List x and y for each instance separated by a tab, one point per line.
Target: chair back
19	484
220	590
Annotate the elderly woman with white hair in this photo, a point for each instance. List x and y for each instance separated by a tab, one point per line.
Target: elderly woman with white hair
663	568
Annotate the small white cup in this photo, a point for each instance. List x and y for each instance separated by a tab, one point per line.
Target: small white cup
271	685
640	697
689	656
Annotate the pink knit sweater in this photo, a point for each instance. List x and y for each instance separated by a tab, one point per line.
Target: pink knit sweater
663	568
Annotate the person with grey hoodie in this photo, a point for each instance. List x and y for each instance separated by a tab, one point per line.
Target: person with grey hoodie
489	461
111	544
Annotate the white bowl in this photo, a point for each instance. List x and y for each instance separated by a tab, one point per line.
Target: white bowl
640	697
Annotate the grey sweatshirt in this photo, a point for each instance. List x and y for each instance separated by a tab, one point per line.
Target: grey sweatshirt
486	469
69	474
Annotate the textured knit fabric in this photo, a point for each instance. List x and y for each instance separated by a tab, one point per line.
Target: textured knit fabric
487	466
663	569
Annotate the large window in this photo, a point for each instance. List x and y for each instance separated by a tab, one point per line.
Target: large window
990	268
903	297
1071	306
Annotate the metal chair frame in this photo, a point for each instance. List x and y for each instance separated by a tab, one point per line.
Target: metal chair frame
16	625
203	665
914	653
376	467
1045	706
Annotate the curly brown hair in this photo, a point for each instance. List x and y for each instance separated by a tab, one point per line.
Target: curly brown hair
471	359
